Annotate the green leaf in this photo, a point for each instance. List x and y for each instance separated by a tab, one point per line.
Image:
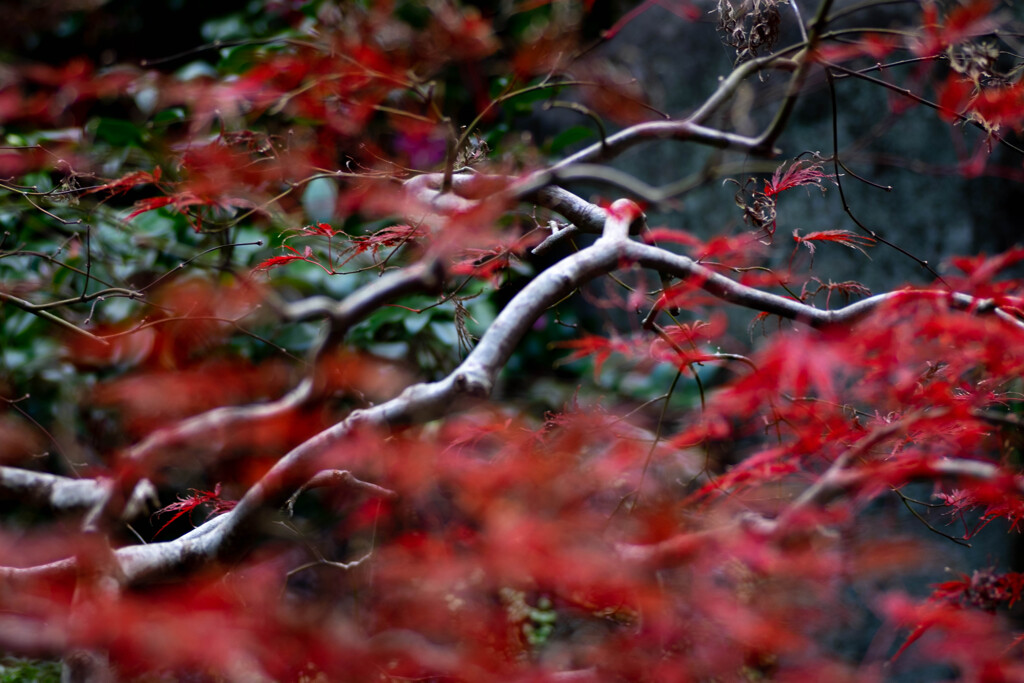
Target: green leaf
569	136
166	117
116	132
240	58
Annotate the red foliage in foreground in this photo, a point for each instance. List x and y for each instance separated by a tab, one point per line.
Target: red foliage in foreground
373	499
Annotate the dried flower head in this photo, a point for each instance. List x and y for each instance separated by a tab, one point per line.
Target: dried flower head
977	62
749	25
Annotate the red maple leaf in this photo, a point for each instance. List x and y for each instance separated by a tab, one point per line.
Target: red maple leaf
276	261
843	237
392	236
873	45
963	22
179	202
188	504
319	229
798	173
128	181
594	345
144	205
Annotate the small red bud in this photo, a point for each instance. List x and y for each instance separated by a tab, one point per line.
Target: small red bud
625	210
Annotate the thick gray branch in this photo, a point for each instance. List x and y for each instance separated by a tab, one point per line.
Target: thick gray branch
42	490
64	494
733	292
586	216
681	131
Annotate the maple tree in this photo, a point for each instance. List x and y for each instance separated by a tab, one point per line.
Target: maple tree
322	360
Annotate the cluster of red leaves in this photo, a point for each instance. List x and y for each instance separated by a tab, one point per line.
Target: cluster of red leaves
41	95
964	21
822	396
227	174
156	397
847	290
759	206
984	589
995	500
392	237
218	624
335	85
996	108
972	641
682	345
195	316
731	251
21	438
487	263
487	490
387	238
195	499
341	82
601	348
957	606
492	516
128	182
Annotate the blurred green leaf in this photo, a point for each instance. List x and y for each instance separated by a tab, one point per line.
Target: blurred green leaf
116	132
568	137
